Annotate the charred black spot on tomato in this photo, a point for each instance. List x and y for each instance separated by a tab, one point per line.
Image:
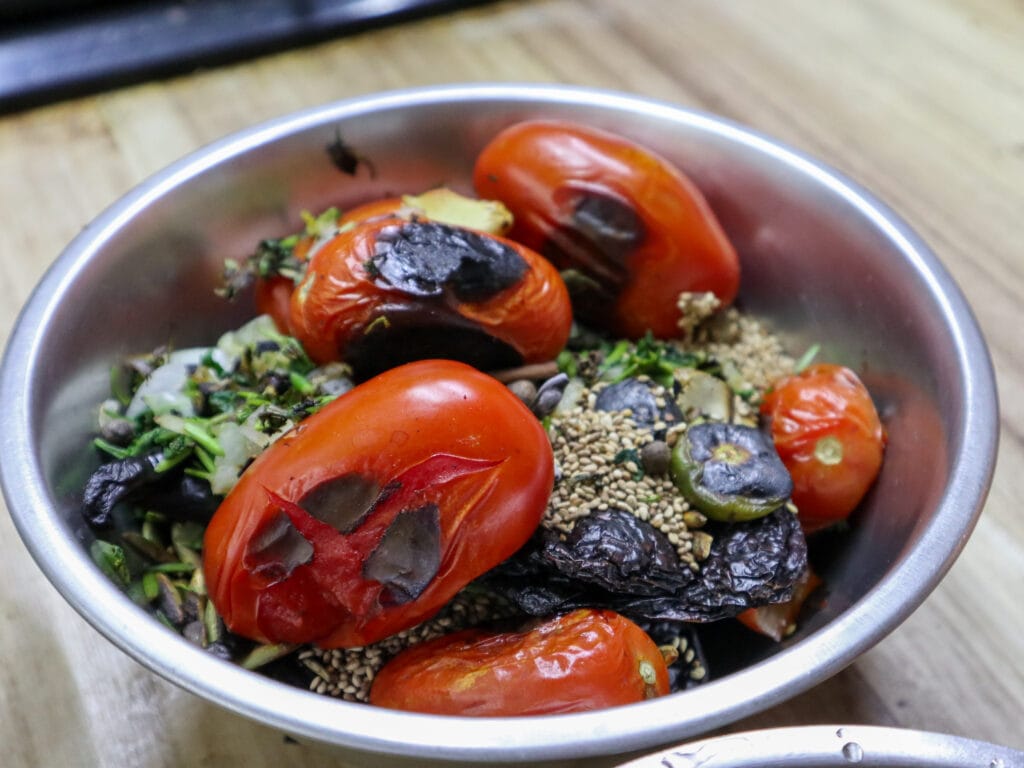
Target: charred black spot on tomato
277	549
610	223
730	472
424	258
408	555
597	240
343	502
418	330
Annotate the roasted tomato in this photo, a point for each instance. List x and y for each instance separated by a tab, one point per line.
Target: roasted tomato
274	298
273	295
391	290
373	512
828	434
635	231
584	660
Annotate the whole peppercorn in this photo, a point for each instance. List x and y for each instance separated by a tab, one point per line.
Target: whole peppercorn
656	457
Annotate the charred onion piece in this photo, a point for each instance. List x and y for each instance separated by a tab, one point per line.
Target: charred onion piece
390	290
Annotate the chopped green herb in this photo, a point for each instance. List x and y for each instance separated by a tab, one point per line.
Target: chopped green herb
111	560
262	655
172	568
630	455
645	357
807	358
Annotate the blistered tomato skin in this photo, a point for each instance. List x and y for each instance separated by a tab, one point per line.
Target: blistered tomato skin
581	661
273	295
390	290
637	229
374	512
828	433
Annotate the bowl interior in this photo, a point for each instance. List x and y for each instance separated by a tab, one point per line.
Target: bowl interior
823	263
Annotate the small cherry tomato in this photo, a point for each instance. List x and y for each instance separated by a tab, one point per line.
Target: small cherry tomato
581	661
828	434
633	228
372	513
390	290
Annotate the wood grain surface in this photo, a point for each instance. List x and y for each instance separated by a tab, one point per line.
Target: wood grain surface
922	101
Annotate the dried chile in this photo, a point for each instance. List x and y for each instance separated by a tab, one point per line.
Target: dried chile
750	563
135	480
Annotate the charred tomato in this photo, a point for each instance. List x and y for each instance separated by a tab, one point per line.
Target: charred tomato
372	513
629	228
829	435
580	661
391	290
273	294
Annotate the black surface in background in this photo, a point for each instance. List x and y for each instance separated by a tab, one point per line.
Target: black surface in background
53	49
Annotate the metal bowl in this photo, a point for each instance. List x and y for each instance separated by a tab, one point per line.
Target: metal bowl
832	746
824	261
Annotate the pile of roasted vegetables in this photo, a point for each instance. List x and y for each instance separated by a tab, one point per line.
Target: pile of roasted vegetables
340	468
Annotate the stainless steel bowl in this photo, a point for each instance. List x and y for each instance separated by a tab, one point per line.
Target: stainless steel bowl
834	746
824	261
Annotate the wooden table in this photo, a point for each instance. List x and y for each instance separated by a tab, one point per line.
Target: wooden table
921	100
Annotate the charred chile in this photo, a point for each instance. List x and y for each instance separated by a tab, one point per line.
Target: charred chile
114	482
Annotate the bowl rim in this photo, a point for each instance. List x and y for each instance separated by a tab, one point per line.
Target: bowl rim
311	716
825	746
